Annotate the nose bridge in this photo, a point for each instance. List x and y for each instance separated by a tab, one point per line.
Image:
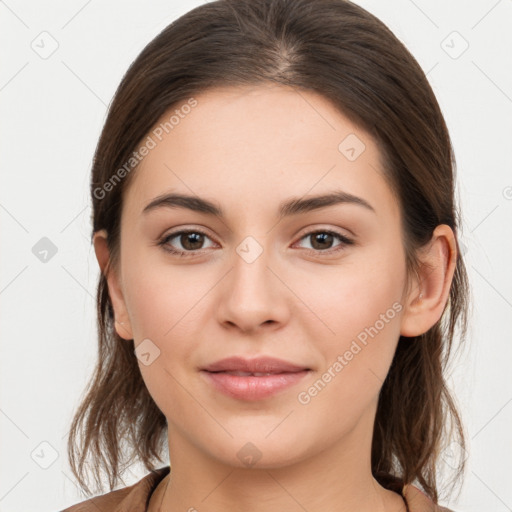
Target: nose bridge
250	274
251	295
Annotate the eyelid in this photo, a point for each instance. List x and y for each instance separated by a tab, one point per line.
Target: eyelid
326	229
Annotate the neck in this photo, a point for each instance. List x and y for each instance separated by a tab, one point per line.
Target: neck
338	478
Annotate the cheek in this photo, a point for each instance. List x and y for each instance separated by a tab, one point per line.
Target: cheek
357	310
165	307
344	299
164	299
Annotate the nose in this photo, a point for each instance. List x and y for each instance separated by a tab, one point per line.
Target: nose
253	295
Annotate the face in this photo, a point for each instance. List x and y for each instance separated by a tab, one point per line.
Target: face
321	288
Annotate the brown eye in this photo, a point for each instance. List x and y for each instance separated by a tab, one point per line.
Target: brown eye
191	241
186	241
323	241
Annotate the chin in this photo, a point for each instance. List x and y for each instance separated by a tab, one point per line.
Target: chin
258	451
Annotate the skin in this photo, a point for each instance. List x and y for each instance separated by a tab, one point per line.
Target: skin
248	149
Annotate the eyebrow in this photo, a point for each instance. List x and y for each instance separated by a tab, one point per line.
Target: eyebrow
292	206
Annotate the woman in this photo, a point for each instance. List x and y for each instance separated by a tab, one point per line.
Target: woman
275	224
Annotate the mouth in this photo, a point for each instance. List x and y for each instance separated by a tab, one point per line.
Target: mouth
259	365
253	379
250	374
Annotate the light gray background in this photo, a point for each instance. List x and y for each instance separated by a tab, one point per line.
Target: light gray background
52	110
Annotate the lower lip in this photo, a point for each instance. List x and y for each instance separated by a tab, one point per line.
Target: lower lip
251	387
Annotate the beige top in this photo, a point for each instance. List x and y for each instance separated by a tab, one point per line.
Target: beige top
136	497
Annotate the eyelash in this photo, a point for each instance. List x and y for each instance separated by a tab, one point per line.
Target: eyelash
165	240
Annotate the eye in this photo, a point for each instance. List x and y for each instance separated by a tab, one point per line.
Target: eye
190	241
322	241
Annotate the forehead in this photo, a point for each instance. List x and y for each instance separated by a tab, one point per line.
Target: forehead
260	144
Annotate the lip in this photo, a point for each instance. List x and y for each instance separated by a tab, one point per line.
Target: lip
257	365
283	375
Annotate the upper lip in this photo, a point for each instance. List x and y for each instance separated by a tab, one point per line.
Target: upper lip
256	365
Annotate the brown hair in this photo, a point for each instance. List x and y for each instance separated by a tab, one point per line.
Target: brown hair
339	50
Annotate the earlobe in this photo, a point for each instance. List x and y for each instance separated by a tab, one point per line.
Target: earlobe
426	301
122	321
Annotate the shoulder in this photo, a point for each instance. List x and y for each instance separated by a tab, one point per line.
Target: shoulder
133	498
417	501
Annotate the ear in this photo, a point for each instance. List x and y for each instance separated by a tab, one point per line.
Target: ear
122	320
425	302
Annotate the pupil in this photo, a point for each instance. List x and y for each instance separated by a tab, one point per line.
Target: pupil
190	239
322	238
